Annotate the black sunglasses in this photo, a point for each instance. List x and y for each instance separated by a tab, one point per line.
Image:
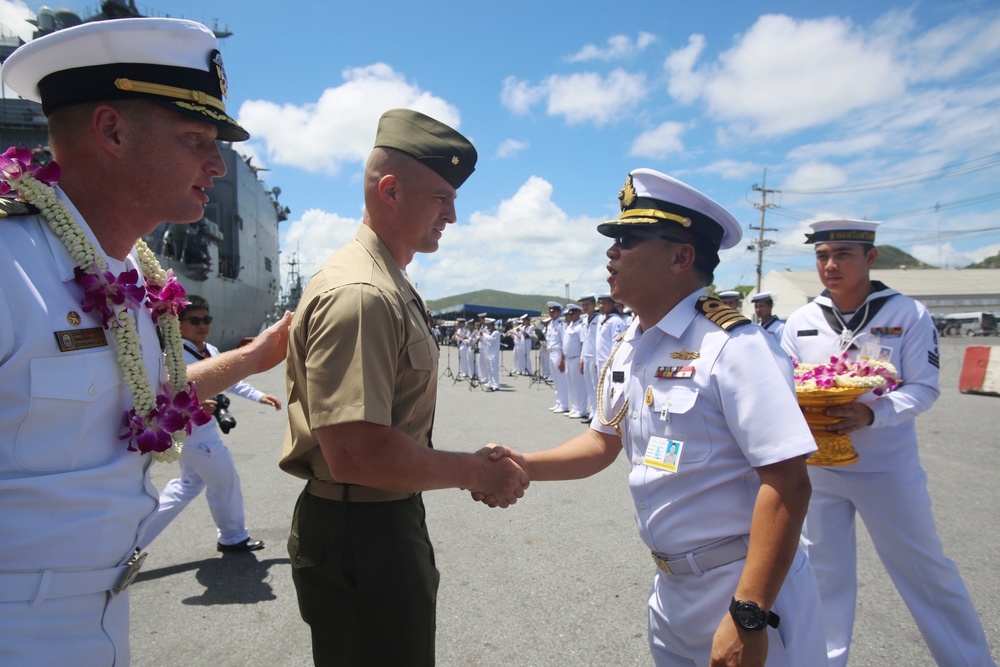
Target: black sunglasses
626	240
198	321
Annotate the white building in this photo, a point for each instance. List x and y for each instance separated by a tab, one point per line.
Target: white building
941	291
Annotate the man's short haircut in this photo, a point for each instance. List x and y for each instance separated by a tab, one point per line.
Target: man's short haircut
195	302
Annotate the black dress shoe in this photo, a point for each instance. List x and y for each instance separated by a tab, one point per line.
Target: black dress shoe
241	547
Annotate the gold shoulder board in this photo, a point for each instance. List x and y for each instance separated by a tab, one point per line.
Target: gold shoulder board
721	314
10	207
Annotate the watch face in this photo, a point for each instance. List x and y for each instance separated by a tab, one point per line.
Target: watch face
748	615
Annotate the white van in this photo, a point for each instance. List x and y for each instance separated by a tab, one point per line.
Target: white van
969	324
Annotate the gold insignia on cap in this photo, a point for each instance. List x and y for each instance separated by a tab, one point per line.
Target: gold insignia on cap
454	159
220	71
627	194
73	317
685	354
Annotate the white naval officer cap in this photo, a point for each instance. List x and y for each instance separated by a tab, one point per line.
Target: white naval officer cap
761	296
650	199
481	315
174	63
526	316
572	307
843	231
490	320
729	294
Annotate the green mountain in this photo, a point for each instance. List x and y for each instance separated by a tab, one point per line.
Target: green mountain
891	257
988	263
491	297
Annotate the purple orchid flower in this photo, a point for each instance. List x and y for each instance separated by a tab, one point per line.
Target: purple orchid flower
173	412
167	298
15	162
102	290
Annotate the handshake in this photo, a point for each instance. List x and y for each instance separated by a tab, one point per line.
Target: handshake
503	476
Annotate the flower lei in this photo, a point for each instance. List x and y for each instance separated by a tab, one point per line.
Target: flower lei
842	372
156	423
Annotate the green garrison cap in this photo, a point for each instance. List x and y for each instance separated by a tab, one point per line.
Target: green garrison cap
431	142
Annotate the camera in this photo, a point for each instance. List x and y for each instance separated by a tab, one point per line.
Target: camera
227	422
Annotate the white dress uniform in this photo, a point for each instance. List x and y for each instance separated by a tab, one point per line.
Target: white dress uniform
464	351
491	352
572	345
887	486
515	335
774	326
589	357
553	340
206	463
73	499
609	327
526	339
705	406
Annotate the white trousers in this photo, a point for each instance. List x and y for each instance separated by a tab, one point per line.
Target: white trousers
82	630
205	467
524	362
590	384
685	610
560	382
896	509
464	364
575	380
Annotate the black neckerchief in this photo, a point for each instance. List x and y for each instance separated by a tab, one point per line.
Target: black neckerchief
765	325
862	316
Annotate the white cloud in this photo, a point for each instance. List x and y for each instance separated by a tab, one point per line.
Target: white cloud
314	237
528	245
520	96
511	147
339	127
733	170
815	176
953	48
659	142
14	16
618	46
592	98
943	256
784	75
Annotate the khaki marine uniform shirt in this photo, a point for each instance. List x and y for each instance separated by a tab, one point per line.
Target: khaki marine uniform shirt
359	349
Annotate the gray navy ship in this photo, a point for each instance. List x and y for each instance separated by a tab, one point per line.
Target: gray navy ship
230	256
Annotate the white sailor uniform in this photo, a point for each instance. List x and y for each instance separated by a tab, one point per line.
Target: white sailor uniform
572	344
887	486
72	497
206	463
609	327
705	406
588	356
774	326
461	336
553	340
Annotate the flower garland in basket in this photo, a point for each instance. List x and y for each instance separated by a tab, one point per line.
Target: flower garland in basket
156	423
841	372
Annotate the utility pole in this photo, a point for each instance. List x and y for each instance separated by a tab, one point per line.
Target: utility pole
761	241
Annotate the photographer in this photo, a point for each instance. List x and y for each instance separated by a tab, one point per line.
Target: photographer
205	462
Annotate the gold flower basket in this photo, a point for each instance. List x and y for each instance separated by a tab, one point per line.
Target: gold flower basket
833	449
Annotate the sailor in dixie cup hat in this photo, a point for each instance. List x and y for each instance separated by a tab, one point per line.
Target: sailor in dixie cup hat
703	405
171	62
763	306
72	495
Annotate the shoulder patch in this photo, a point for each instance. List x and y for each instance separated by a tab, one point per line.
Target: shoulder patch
10	207
720	314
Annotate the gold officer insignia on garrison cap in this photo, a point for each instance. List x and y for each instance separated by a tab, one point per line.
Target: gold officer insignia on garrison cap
685	354
73	318
627	194
454	159
720	314
215	60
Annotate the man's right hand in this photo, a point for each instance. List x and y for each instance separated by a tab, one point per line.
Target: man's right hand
504	477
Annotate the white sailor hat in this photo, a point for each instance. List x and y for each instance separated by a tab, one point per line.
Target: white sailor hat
843	231
761	296
589	297
554	304
481	315
729	294
572	307
604	295
173	62
526	316
652	199
459	319
490	320
546	320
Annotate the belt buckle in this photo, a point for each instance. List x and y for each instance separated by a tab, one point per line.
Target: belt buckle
134	565
662	564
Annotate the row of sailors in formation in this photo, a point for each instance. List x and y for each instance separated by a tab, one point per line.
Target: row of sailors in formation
574	343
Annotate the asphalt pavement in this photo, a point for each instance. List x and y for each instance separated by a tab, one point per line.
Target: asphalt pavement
559	579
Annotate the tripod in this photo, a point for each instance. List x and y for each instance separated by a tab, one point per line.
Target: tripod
447	371
537	377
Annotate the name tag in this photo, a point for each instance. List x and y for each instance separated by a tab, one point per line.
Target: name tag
807	332
81	339
617	376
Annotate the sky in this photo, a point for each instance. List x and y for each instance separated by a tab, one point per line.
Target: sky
877	110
